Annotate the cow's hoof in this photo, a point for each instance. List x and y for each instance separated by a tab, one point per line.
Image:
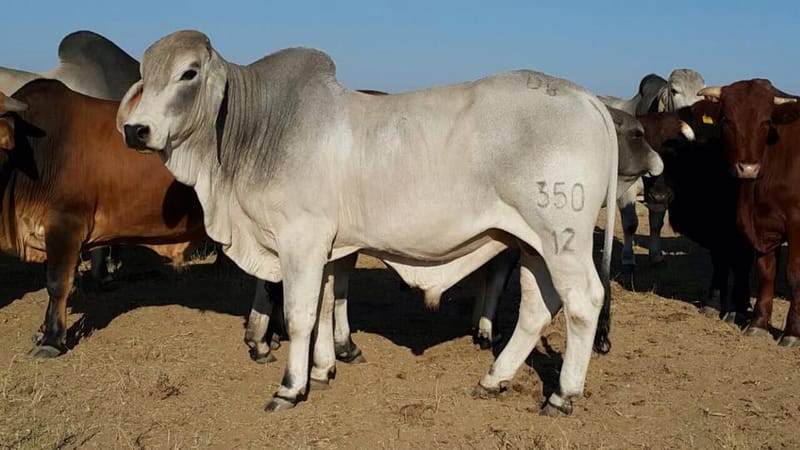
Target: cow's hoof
709	311
262	358
483	342
319	385
45	352
731	318
755	332
789	341
481	391
275	343
551	410
279	404
351	356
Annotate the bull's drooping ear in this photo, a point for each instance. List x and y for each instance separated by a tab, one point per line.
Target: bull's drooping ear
618	116
216	77
785	113
128	104
6	133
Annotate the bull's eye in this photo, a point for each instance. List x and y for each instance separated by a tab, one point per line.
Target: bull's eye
637	134
673	91
189	75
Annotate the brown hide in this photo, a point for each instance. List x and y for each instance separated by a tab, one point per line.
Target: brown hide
79	167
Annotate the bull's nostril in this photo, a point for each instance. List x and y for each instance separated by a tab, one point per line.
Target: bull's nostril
136	135
142	132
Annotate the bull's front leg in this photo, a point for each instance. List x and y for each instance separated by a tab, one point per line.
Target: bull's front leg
656	215
630	222
494	279
255	335
63	237
766	266
302	264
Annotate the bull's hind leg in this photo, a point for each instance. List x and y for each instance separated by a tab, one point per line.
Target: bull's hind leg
579	286
538	303
63	239
494	279
346	350
791	332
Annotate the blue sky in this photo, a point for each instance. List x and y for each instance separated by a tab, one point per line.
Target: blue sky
606	46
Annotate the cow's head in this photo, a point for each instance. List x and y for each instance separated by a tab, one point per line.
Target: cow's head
663	131
636	157
8	105
182	87
748	113
681	90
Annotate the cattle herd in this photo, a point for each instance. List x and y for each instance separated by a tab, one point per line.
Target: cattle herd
293	175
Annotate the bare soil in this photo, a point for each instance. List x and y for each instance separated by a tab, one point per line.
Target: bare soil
158	362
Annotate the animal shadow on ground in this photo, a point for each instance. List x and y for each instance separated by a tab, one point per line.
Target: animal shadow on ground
18	279
146	280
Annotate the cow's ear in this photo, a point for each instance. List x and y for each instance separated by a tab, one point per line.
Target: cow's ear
128	104
6	133
785	114
617	115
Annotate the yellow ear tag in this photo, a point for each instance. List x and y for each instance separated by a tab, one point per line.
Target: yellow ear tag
708	120
661	105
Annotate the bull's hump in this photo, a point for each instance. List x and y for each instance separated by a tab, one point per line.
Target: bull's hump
290	62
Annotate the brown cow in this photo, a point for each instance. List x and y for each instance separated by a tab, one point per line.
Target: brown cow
761	140
68	183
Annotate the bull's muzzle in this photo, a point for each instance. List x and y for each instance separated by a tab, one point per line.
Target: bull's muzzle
747	171
136	136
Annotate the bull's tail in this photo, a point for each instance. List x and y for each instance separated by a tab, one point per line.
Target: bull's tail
602	344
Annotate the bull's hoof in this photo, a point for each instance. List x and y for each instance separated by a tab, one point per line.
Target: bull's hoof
279	404
483	342
275	343
789	341
755	332
262	358
319	385
709	311
351	356
45	352
481	391
551	410
731	318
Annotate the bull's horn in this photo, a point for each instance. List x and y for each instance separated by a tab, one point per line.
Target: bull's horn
11	104
710	92
687	131
783	100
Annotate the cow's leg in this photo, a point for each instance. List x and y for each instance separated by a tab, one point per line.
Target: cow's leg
630	222
495	275
304	268
720	263
791	332
255	335
742	262
656	214
766	266
99	264
346	350
538	303
577	283
324	368
63	236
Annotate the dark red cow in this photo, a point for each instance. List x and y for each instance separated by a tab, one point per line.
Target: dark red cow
67	183
761	141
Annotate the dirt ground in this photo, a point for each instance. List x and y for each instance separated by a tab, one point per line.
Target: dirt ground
158	362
